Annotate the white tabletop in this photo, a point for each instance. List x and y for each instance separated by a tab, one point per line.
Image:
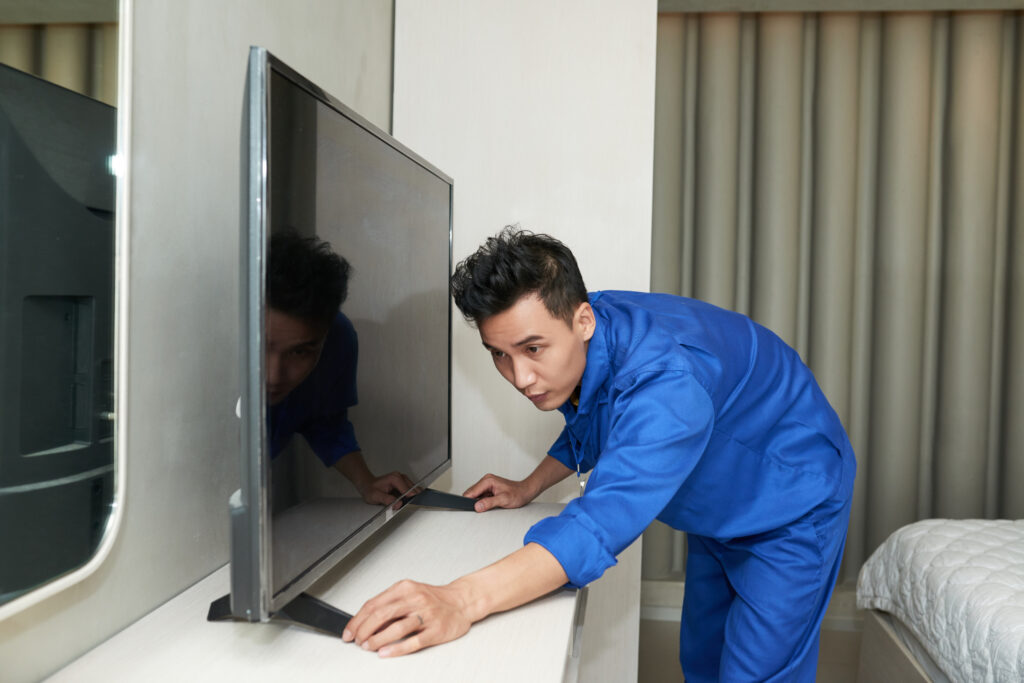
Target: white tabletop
531	643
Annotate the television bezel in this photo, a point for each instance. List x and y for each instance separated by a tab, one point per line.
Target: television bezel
252	592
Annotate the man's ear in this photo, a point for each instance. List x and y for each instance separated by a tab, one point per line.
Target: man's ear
583	320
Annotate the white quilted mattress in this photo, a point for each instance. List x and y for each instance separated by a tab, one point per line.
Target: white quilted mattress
958	586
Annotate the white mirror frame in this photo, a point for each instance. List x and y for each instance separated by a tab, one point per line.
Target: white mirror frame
123	154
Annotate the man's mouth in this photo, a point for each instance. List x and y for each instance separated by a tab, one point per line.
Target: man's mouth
537	398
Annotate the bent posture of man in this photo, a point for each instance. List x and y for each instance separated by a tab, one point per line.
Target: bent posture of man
682	412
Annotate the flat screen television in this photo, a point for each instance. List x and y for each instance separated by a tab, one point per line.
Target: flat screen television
314	168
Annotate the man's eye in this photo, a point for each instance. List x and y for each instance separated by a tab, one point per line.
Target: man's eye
533	349
497	354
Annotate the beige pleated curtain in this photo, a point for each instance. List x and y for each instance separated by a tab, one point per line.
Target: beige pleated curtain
856	183
79	57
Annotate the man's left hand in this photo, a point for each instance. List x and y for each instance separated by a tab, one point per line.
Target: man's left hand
408	617
385	489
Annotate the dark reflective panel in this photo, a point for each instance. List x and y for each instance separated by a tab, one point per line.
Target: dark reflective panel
56	329
352	321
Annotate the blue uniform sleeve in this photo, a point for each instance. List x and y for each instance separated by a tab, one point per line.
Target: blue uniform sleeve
331	437
660	425
328	430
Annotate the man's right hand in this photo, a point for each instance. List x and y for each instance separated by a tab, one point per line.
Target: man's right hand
498	492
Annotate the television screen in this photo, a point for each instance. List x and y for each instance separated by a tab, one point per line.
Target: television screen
329	399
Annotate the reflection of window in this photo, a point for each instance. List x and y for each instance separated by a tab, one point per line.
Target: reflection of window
78	56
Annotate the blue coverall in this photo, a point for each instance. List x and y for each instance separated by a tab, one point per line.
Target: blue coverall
318	407
701	418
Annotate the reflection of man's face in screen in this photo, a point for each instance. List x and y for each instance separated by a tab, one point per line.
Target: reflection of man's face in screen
293	350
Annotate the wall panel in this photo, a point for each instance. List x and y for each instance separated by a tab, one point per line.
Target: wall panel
187	70
543	113
544	116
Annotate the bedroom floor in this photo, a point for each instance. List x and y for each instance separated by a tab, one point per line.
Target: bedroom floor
837	659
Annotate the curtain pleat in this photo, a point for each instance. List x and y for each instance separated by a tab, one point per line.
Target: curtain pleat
1011	429
79	57
65	49
717	159
855	183
869	28
967	291
17	47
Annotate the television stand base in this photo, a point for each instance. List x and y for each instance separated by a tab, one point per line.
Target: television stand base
309	612
436	499
304	610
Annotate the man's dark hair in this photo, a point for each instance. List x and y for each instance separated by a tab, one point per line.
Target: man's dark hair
305	278
513	264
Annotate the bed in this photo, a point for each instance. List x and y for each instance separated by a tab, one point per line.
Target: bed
946	603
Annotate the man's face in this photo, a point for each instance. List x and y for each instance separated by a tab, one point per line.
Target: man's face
539	354
293	350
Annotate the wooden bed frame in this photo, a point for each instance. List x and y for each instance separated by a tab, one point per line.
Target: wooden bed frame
883	656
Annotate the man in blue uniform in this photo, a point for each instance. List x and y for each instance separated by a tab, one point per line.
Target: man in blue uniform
682	412
311	356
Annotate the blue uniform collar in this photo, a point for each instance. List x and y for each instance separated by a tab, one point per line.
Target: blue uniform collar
596	372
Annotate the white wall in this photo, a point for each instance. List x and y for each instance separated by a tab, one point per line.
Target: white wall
188	69
543	113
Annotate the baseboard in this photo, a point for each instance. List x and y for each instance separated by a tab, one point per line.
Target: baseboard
661	600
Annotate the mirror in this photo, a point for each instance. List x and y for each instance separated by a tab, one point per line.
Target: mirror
58	130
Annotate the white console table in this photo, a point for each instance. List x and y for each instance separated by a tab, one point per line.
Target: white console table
532	643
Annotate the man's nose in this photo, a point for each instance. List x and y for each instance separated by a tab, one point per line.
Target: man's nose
522	375
273	369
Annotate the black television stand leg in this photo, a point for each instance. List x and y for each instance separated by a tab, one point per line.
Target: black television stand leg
220	609
436	499
304	610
